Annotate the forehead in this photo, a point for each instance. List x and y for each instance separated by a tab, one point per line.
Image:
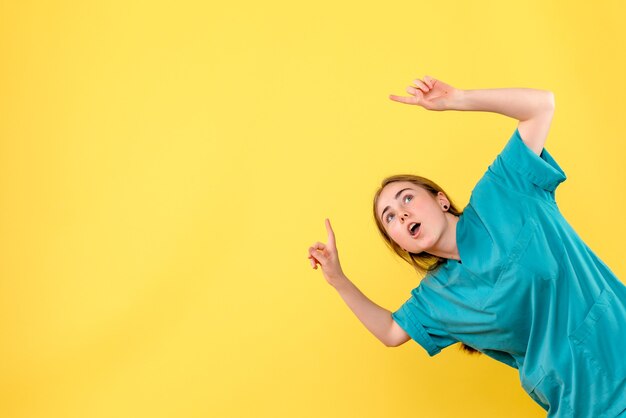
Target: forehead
388	193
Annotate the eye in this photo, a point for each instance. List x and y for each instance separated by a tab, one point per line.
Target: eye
404	199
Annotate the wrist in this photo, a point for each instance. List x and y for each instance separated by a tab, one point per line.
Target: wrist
457	100
340	282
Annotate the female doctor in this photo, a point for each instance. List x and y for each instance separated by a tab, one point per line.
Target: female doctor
507	276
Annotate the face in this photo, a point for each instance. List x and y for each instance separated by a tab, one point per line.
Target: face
404	204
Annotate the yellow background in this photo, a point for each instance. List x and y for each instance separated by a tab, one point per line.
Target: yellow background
165	166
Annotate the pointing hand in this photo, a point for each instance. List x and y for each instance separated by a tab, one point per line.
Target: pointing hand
326	256
430	93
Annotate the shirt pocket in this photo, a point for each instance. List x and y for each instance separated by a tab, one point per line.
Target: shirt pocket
600	339
536	253
509	270
533	263
542	254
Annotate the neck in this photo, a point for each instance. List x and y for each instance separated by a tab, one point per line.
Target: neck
446	246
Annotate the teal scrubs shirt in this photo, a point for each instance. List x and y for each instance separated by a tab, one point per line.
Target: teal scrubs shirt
528	292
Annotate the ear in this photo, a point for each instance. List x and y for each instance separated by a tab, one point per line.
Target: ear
443	200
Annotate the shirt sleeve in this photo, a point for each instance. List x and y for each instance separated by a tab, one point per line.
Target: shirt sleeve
415	319
520	169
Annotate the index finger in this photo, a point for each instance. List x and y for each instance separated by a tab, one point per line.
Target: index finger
401	99
331	234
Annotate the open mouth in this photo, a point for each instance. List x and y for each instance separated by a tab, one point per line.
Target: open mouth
414	228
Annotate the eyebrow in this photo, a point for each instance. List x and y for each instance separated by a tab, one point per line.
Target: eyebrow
395	197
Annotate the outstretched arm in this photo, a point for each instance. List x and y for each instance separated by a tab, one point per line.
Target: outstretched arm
519	103
376	319
531	107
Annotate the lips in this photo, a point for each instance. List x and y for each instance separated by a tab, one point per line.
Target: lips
414	229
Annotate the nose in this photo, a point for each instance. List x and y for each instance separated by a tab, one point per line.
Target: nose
404	215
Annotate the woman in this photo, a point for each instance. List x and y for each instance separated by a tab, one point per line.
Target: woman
508	276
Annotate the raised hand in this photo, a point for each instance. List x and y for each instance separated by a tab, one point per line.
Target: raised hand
430	93
326	256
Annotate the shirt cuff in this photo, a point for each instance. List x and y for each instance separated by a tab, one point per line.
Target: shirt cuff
408	321
541	170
